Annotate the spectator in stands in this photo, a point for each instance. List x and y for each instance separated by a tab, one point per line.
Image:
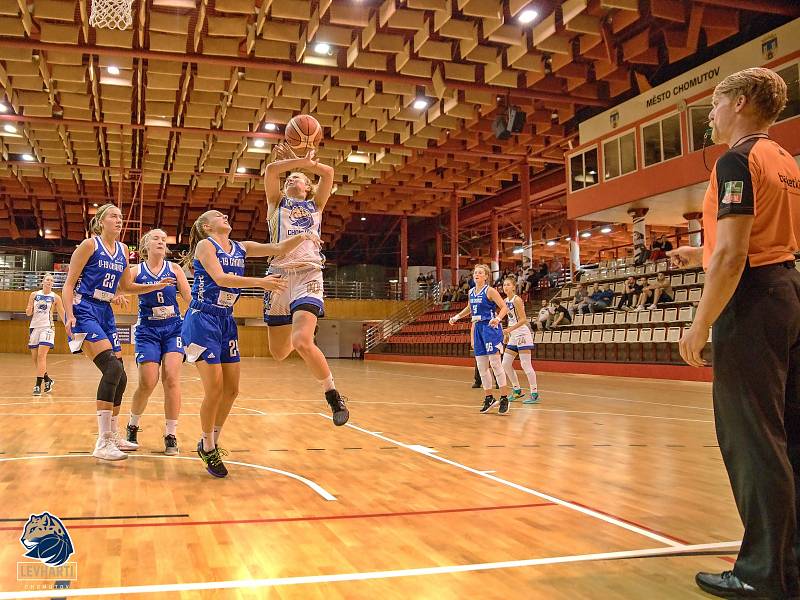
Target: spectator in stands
421	285
600	300
658	291
561	315
579	301
630	294
545	316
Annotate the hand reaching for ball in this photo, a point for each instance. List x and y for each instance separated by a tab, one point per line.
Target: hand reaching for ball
284	152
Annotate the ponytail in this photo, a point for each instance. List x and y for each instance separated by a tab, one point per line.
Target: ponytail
196	235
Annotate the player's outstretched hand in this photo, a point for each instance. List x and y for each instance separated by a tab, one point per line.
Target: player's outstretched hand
121	300
312	236
165	282
69	323
283	151
272	283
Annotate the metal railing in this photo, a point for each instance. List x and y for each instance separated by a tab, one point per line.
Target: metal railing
388	327
13	279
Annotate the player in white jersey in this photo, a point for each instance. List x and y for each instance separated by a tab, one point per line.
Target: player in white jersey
291	314
43	333
519	342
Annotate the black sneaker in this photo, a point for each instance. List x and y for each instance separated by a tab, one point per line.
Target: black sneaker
503	405
213	460
48	385
170	445
488	403
476	385
37	390
338	407
130	433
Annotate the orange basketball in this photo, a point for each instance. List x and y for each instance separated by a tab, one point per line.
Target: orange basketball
302	133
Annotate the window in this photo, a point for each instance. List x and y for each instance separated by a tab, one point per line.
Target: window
698	121
583	170
790	76
662	140
619	156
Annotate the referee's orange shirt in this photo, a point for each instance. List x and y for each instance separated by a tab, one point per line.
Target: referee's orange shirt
757	178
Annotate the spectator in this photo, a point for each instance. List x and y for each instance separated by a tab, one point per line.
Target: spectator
579	301
658	291
600	300
545	316
561	315
630	293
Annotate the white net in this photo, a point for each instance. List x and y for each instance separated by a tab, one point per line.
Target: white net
111	14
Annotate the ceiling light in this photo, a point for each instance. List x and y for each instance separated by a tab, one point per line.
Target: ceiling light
363	218
358	157
592	172
322	48
569	239
95	204
393	281
517	251
420	104
605	230
112	70
259	143
586	234
527	16
10	128
241	170
27	157
551	242
48	231
270	126
3	107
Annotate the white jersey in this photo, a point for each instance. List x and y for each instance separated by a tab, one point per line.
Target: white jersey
295	217
513	319
43	310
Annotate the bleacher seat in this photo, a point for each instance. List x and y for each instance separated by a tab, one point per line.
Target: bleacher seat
597	336
578	320
631	335
695	294
631	316
681	295
646	334
537	337
619	318
619	335
671	315
557	335
586	336
674	334
689	278
608	336
659	334
574	336
676	279
685	314
547	337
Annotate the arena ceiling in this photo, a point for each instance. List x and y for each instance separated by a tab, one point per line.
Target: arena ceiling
175	114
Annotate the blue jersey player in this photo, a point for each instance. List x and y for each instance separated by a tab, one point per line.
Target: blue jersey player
487	309
209	334
97	269
157	339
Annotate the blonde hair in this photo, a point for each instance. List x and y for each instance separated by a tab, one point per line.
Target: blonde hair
196	235
511	278
484	268
763	88
146	240
312	188
96	224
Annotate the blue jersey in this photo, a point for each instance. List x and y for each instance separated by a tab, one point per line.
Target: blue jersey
481	308
205	290
161	306
102	273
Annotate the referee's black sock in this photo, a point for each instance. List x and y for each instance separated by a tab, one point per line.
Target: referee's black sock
39	381
47	377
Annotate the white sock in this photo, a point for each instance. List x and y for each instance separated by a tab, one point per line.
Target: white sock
171	427
208	441
530	373
327	383
497	368
114	419
486	373
508	367
217	429
134	420
104	421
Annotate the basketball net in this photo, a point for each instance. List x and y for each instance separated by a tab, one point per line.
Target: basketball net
111	14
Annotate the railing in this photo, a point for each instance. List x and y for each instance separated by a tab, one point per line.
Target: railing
382	331
12	279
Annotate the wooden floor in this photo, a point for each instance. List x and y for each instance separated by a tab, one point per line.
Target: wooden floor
611	488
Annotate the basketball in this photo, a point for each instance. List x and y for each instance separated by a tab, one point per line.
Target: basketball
303	132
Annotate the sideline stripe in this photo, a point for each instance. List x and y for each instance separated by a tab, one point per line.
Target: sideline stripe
338	577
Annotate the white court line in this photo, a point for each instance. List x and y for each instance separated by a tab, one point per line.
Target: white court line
368	575
586	511
260	412
161	414
314	486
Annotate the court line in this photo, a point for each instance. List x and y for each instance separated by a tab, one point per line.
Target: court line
565	503
367	575
311	518
314	486
161	414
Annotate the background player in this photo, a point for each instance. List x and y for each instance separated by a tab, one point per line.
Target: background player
158	337
98	268
292	314
209	333
487	308
520	341
43	333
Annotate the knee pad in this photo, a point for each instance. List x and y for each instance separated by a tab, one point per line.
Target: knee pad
123	383
111	368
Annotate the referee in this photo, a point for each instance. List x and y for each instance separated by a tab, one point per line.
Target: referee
751	220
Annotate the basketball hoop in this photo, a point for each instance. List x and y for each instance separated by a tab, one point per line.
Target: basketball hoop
111	14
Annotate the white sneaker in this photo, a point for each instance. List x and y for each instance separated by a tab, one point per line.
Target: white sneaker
123	444
106	449
638	308
653	306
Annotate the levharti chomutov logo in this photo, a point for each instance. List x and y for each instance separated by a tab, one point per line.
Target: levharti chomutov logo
46	539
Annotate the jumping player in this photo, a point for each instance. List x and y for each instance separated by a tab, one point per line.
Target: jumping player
520	342
43	334
158	337
487	309
98	268
292	314
209	334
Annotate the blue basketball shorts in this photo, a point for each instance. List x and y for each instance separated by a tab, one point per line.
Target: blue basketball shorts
152	342
94	321
210	337
487	339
